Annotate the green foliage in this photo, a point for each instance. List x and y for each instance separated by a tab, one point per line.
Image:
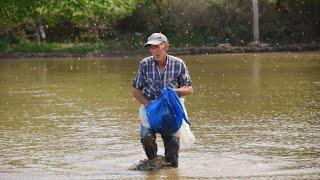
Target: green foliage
96	14
195	23
118	24
12	13
88	11
30	47
4	46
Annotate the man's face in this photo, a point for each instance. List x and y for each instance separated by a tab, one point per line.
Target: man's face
159	52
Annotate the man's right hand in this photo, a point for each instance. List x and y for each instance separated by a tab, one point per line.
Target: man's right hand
139	96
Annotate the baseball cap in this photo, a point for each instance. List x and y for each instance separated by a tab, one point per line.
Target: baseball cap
156	39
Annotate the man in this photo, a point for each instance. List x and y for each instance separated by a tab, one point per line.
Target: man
154	73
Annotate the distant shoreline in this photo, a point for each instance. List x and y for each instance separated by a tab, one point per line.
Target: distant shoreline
173	51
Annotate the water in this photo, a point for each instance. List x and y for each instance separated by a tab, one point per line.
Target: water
253	115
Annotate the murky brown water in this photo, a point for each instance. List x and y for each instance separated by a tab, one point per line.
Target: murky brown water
253	115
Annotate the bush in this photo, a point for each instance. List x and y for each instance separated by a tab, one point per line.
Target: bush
4	46
28	46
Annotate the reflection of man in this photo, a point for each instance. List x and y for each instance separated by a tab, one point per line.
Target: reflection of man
156	72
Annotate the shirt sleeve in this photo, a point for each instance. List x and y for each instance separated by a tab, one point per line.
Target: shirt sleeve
139	80
185	79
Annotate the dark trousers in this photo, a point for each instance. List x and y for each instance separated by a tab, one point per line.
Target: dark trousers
171	145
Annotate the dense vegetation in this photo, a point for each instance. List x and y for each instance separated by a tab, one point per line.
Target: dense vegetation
86	25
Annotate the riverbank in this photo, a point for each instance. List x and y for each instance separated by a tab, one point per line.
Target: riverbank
223	48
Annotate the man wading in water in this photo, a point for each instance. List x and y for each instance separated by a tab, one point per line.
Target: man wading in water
154	73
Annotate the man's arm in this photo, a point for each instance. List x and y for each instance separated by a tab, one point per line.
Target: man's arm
184	90
139	96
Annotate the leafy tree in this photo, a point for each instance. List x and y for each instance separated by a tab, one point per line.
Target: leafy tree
49	12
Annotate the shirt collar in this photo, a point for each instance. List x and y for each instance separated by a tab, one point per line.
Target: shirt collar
154	60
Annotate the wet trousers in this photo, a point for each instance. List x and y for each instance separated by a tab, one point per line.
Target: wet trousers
171	145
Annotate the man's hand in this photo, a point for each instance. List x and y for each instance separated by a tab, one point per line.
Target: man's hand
184	90
139	96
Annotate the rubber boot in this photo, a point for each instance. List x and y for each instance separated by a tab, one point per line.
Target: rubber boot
150	145
171	145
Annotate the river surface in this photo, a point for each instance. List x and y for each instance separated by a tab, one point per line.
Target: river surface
253	115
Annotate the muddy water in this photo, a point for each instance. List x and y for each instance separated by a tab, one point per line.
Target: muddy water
253	115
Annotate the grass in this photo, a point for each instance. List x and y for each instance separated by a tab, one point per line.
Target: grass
30	47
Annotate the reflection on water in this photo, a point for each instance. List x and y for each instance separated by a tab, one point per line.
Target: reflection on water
254	115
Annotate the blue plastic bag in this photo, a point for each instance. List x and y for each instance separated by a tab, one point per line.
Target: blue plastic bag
166	114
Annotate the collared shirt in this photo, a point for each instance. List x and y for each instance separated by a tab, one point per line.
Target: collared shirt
150	80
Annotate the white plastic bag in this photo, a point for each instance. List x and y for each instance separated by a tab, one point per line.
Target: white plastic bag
143	117
186	136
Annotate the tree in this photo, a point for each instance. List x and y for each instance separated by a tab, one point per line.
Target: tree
83	13
255	21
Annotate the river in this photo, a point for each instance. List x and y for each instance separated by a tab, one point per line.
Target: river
253	115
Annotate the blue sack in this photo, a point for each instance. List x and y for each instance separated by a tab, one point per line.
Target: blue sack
166	114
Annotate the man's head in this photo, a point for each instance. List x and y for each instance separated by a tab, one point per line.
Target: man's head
156	39
158	45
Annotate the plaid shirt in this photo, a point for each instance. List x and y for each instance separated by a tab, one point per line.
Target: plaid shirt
150	80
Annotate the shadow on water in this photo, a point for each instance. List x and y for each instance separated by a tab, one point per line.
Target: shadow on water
254	115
